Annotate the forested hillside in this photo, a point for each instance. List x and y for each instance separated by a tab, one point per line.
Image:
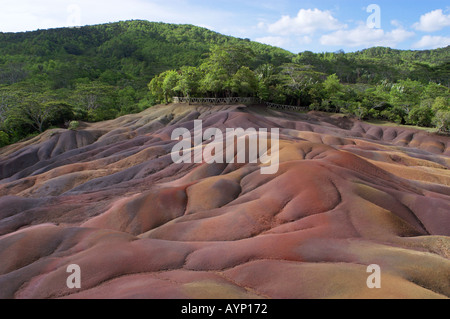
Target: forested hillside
377	64
93	73
405	87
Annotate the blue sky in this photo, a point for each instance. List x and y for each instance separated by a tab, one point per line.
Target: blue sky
319	26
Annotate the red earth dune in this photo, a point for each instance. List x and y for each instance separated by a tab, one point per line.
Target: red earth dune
109	198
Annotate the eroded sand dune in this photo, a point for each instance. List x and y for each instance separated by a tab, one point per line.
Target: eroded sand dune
109	198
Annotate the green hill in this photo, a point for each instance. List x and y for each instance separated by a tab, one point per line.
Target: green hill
130	52
92	73
379	63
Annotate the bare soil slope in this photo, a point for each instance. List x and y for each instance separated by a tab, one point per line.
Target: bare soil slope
109	198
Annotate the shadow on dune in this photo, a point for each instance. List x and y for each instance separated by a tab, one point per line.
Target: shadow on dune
109	198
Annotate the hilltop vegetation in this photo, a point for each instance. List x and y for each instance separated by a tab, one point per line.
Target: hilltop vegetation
93	73
378	83
53	77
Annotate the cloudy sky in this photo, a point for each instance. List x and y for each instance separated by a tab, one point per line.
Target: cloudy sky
319	26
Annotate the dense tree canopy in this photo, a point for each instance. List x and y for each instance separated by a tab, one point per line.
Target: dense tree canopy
101	72
404	101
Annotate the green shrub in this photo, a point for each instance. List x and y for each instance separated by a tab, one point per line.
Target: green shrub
74	125
4	139
441	104
442	121
422	116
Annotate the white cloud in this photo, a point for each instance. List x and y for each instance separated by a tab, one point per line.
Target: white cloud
28	15
432	42
261	25
396	23
304	40
306	22
433	21
282	42
362	36
275	41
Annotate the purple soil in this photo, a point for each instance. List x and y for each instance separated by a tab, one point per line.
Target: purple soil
109	198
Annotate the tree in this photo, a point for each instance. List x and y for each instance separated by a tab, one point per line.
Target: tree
333	92
265	72
433	91
406	94
244	82
230	57
356	109
189	81
422	116
266	76
307	58
332	85
441	103
442	121
94	101
38	111
4	139
395	114
296	81
13	121
316	95
221	65
126	100
13	73
4	108
215	81
169	84
155	87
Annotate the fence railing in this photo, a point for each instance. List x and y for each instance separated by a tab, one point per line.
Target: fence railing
286	107
225	100
238	100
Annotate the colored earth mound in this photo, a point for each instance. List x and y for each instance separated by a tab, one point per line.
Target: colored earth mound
109	198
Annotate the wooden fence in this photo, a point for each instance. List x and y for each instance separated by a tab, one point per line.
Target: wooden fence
214	101
286	107
237	100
